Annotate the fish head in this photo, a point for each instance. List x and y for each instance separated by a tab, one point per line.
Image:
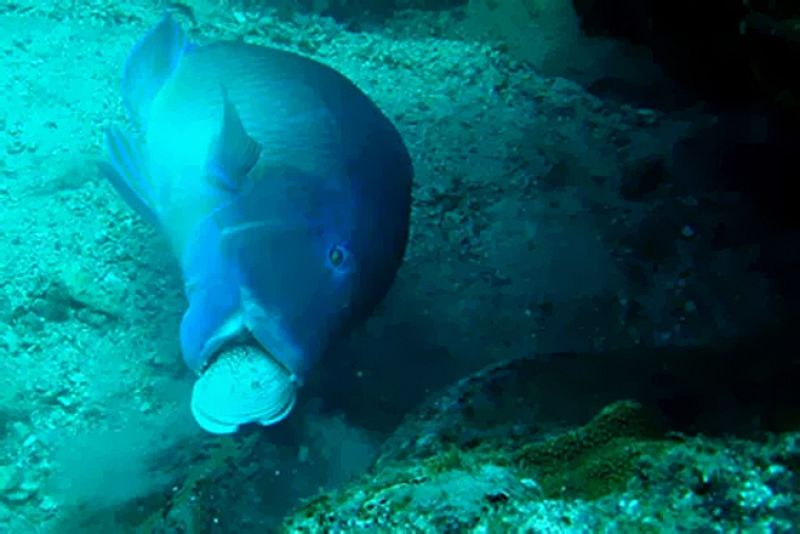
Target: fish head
310	266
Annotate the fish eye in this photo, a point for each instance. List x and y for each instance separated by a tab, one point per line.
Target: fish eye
337	256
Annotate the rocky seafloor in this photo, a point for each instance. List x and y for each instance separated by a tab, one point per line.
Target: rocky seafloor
505	451
546	219
614	474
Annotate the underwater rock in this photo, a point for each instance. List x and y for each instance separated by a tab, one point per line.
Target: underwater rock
82	288
622	482
697	389
10	478
642	177
15	486
487	455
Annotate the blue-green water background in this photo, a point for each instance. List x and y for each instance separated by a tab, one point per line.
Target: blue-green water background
532	233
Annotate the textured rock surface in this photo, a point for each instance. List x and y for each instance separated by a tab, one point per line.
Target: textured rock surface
623	470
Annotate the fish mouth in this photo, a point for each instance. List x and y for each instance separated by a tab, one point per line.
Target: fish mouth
242	383
216	349
214	356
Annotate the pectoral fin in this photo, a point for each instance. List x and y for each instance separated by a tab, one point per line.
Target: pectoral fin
234	152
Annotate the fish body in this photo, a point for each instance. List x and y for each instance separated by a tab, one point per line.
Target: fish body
283	190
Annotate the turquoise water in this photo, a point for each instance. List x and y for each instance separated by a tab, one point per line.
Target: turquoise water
546	218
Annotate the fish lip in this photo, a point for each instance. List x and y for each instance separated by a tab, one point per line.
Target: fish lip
208	357
237	341
212	354
216	344
206	363
215	354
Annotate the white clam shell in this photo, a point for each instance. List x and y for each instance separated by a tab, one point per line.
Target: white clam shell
242	385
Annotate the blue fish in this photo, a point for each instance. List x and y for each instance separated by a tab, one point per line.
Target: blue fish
283	190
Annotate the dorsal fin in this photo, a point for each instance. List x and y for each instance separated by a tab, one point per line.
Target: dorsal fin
151	62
